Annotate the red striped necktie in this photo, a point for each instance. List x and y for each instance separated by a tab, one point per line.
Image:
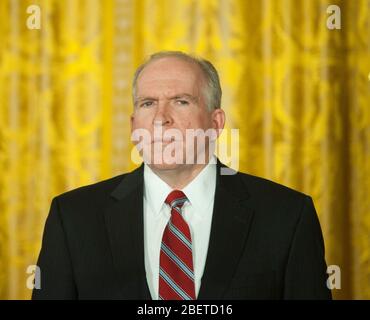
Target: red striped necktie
176	272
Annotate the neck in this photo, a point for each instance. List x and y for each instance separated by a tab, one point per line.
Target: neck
180	177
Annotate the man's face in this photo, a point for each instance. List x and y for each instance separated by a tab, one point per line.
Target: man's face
170	95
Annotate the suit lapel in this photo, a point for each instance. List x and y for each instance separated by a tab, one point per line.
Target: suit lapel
124	222
229	231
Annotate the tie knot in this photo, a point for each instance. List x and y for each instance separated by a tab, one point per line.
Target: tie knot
176	198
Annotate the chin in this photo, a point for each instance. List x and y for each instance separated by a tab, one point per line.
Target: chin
164	166
159	161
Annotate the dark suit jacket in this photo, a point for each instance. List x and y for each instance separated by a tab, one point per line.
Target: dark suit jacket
265	243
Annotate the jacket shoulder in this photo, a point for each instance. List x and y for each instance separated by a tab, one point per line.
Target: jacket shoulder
101	188
259	185
274	199
94	194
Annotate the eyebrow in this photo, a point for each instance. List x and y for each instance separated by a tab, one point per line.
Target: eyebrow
177	96
185	95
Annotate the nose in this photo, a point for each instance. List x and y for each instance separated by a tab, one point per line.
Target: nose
162	115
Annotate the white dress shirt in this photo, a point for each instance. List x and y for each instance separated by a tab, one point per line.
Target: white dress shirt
197	212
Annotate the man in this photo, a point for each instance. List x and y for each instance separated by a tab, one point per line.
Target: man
176	227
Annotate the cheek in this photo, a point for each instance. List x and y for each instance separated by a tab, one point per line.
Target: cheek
134	124
141	121
194	123
189	119
202	121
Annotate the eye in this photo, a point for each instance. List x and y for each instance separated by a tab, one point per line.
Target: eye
146	104
182	102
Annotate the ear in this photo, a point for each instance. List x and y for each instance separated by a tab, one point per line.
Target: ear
132	118
218	120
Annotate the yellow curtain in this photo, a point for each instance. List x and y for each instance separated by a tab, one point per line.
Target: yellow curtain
297	90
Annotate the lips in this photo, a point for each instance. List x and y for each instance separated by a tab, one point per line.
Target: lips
163	140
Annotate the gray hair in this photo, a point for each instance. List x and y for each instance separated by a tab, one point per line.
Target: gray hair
212	92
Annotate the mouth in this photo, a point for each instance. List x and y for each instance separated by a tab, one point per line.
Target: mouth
159	140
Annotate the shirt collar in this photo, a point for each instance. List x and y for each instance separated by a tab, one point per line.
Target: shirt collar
200	191
155	189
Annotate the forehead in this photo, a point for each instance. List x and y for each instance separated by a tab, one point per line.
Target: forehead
170	72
